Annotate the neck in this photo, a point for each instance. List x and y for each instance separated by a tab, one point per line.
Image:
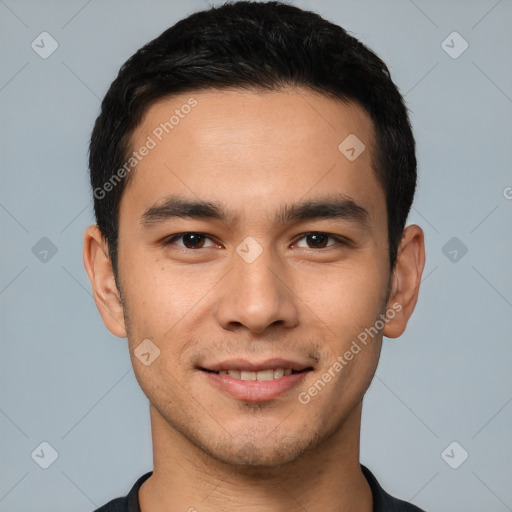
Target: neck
326	479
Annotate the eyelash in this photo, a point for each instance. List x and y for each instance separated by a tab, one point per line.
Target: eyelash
172	239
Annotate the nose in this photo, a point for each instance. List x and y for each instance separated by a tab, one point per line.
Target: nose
257	296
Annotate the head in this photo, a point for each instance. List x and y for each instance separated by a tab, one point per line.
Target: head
252	46
253	168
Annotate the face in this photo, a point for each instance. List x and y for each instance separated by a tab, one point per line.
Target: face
252	245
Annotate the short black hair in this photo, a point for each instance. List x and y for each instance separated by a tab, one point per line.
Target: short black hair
265	46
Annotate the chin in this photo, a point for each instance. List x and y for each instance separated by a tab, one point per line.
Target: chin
260	452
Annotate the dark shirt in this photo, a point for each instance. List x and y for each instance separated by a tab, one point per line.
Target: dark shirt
382	501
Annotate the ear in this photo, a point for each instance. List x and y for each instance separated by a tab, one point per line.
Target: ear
99	269
405	280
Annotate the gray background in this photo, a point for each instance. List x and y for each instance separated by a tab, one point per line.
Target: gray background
65	380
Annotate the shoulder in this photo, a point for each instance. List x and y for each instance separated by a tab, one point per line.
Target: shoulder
382	501
130	502
117	505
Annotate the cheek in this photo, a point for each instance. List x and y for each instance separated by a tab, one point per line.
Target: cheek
349	308
337	300
347	298
159	297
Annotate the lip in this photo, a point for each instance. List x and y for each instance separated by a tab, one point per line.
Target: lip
254	390
253	366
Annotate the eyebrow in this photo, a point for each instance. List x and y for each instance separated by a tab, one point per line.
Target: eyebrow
330	207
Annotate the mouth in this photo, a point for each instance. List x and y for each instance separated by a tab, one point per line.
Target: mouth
261	375
255	382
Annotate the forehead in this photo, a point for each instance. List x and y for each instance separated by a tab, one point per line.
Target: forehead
253	148
235	116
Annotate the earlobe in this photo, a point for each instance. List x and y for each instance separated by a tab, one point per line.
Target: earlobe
101	275
405	281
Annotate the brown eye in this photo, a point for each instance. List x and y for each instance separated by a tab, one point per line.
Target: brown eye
189	240
317	240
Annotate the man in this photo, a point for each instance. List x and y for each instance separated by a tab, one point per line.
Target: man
253	168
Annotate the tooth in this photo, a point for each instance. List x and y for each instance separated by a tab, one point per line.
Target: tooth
269	374
265	375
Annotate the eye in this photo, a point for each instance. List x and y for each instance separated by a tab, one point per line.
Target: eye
189	240
194	241
319	240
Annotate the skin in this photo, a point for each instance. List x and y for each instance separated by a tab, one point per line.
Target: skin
254	152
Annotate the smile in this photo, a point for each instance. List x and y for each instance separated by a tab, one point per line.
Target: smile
270	374
255	386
